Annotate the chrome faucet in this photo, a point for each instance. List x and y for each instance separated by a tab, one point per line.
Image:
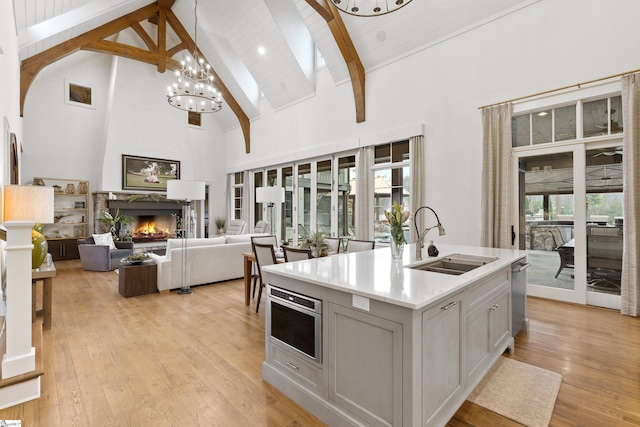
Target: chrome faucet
420	240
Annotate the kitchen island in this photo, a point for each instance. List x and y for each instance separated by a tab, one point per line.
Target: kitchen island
387	344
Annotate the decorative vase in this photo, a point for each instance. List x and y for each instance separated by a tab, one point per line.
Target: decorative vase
397	249
83	187
40	248
71	189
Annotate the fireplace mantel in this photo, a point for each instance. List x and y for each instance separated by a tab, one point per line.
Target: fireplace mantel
145	207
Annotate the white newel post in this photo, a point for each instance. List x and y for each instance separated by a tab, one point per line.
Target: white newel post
20	356
24	206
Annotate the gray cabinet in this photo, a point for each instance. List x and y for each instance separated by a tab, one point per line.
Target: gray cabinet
442	358
488	325
365	365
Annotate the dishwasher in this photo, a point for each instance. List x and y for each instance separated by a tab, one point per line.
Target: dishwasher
519	320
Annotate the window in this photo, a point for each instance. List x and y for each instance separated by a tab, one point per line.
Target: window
238	192
194	118
600	117
391	183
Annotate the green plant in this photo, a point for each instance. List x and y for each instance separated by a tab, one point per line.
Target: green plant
220	222
317	243
138	257
113	221
396	219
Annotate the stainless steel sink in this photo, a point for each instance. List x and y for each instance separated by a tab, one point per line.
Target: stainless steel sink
455	264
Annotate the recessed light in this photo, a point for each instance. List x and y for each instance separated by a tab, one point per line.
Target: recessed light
261	50
542	113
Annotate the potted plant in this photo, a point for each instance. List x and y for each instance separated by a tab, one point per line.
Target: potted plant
220	223
317	243
115	221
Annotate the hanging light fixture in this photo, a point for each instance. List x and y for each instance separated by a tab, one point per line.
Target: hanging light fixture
369	7
193	88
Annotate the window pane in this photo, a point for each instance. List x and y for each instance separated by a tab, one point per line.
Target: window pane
381	202
541	124
323	197
520	130
257	207
287	215
616	115
346	196
595	118
304	200
239	177
382	154
400	151
565	123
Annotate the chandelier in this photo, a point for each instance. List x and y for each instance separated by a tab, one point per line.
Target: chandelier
193	88
369	7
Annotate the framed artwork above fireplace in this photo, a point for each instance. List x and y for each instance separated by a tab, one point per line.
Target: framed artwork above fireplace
147	173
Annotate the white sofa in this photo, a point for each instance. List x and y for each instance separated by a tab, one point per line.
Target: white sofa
210	260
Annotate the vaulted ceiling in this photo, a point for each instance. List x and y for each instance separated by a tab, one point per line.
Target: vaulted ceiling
229	34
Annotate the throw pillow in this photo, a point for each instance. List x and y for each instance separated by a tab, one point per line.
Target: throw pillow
104	239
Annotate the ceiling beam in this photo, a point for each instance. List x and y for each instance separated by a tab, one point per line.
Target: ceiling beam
340	34
156	55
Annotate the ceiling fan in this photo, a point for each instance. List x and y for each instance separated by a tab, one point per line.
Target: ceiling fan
609	152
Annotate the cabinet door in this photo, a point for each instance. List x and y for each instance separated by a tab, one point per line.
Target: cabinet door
442	378
479	344
365	365
500	321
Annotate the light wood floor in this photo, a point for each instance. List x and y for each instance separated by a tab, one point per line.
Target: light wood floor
194	360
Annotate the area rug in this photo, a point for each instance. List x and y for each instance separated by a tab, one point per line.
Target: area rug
521	392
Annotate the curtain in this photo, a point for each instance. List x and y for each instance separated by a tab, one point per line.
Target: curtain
630	298
496	176
364	175
418	181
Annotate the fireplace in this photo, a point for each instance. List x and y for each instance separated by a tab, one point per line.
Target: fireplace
153	228
154	221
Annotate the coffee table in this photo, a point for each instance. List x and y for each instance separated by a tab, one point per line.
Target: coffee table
137	279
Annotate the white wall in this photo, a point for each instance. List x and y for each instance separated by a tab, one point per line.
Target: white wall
547	45
9	93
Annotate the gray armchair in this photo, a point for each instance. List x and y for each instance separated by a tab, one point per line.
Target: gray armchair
100	257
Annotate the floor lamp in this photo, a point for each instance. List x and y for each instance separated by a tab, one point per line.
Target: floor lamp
185	192
24	206
270	195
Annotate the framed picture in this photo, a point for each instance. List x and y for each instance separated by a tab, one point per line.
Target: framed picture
146	173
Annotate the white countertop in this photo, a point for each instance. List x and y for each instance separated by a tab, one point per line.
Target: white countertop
375	275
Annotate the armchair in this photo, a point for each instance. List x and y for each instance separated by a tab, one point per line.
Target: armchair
236	226
100	257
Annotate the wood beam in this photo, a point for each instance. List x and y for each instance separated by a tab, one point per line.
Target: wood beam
158	55
340	34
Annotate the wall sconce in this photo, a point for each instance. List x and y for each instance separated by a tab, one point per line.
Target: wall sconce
24	206
185	192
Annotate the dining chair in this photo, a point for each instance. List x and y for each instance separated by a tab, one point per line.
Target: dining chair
266	240
334	244
265	255
296	254
359	245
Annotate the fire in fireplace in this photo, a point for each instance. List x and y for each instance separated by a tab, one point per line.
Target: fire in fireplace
153	228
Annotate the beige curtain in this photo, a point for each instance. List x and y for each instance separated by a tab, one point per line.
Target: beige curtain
418	181
630	164
363	194
496	176
246	213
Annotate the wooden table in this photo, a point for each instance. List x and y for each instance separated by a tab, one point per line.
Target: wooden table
137	279
249	259
46	273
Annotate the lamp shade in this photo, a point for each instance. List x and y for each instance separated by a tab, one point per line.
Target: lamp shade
270	194
179	189
28	203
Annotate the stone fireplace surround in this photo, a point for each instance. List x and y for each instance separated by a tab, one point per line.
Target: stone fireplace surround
141	206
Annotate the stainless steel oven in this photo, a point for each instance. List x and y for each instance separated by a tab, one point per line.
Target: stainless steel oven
296	321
